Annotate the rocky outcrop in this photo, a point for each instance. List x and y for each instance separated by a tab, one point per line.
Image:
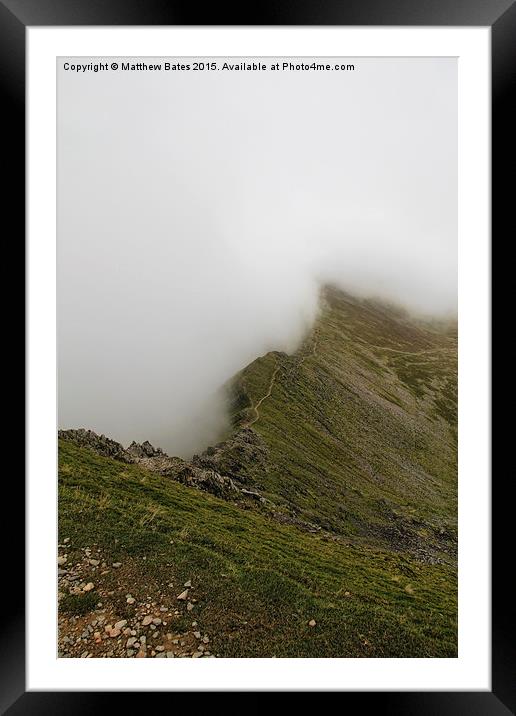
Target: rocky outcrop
154	459
144	454
207	480
236	457
144	450
213	471
98	443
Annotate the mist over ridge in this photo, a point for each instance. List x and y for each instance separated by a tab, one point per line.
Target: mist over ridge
198	218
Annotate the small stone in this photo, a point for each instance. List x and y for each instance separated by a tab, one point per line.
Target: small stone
206	639
61	561
160	648
188	584
312	623
131	641
94	562
183	596
156	621
147	620
163	609
114	633
197	654
161	655
66	539
194	624
121	624
117	564
197	634
130	652
88	587
131	600
189	606
170	654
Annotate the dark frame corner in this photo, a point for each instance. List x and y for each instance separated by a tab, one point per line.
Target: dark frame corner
500	15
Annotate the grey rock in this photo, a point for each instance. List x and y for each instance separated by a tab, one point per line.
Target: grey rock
97	443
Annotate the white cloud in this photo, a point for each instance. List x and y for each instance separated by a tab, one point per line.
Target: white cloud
198	212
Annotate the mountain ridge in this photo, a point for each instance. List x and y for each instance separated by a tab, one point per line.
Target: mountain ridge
351	441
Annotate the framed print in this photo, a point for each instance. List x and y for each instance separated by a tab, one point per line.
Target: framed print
258	365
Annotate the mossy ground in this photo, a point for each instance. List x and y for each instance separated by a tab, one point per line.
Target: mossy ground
359	431
361	424
259	582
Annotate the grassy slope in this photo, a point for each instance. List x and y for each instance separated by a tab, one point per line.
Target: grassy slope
259	582
361	425
360	436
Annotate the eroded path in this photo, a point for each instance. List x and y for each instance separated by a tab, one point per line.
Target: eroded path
267	395
256	407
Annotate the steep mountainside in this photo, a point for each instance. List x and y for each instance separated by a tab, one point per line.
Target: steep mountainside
324	525
359	426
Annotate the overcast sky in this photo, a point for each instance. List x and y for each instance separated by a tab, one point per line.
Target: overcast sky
198	212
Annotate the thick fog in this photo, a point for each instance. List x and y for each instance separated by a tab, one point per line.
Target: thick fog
198	214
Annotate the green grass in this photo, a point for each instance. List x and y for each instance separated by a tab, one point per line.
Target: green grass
258	582
78	604
364	414
359	438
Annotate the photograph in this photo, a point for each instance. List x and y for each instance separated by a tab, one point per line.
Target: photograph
258	251
257	357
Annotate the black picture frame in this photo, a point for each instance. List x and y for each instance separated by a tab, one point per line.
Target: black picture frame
500	16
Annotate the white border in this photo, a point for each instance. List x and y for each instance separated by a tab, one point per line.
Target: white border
471	670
